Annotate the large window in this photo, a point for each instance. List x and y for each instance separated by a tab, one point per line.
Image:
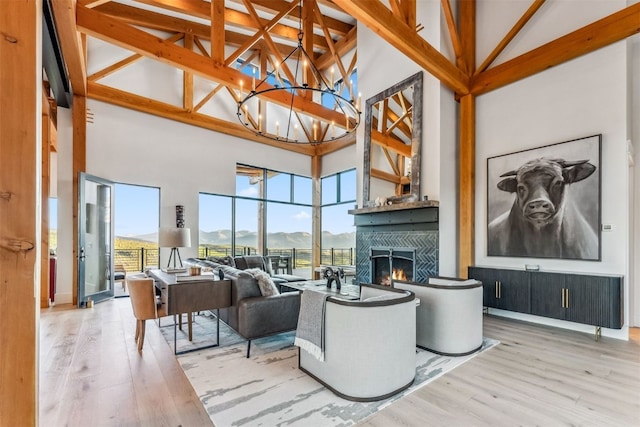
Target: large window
248	230
271	214
136	223
338	232
215	228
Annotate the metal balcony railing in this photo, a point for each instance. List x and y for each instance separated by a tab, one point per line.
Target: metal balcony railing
300	257
138	259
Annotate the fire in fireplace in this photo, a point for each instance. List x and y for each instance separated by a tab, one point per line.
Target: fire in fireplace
389	264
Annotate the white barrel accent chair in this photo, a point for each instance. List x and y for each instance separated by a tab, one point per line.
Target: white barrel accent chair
370	345
449	318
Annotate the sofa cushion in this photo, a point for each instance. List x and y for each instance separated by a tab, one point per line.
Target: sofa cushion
250	261
267	287
225	260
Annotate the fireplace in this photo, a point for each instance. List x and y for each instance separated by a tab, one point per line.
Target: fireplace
408	227
389	264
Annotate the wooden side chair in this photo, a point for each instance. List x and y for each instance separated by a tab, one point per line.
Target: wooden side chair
145	305
120	275
275	262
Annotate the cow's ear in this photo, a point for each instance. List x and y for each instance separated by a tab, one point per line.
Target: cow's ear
578	172
508	184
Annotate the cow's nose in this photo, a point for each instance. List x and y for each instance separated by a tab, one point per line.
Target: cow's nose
539	205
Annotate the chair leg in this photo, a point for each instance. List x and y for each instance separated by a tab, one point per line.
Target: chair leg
137	330
141	339
248	348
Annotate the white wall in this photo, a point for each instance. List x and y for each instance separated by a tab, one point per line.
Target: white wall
583	97
634	137
65	272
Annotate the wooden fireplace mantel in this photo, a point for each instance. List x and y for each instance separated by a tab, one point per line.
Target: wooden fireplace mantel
396	207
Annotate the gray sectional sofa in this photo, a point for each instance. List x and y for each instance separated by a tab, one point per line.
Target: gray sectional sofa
251	314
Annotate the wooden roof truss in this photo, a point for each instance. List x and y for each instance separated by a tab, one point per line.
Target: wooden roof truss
263	32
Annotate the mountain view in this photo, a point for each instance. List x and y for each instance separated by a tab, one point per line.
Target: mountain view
280	240
275	240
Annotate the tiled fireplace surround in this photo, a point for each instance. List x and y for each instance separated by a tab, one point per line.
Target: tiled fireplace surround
406	225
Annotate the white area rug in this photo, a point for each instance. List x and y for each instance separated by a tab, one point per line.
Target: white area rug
269	390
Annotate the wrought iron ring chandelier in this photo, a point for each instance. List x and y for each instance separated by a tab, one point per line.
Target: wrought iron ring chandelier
312	130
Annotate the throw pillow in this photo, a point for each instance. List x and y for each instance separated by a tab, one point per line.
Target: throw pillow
266	285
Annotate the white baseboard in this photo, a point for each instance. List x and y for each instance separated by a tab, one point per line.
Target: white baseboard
65	298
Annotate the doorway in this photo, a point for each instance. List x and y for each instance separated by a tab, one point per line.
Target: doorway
136	223
95	240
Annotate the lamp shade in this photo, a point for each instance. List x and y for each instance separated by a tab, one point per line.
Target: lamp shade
171	237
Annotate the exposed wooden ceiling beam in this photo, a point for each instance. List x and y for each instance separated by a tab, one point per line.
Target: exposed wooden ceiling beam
381	20
127	61
537	4
467	27
128	37
158	21
332	49
587	39
64	14
342	46
217	31
338	144
202	10
154	20
92	3
138	103
453	33
334	26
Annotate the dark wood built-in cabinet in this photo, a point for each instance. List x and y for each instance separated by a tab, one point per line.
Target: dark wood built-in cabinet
581	298
504	289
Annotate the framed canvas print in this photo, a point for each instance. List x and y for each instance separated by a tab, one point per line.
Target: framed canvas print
545	202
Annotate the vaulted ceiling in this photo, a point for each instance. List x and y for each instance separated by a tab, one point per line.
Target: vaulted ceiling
206	40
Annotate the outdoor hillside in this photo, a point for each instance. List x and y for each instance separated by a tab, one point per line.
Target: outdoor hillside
300	240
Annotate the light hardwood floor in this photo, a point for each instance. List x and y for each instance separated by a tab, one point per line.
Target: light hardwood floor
91	374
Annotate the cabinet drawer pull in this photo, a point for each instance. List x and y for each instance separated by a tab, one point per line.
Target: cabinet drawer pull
563	298
566	299
497	284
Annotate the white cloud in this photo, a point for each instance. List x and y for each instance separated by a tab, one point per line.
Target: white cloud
249	192
302	215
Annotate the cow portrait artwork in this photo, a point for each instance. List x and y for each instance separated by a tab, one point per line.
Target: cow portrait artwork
544	219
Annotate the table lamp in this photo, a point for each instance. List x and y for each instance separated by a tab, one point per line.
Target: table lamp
174	238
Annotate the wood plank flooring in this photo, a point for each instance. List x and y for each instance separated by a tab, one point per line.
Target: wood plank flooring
92	374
